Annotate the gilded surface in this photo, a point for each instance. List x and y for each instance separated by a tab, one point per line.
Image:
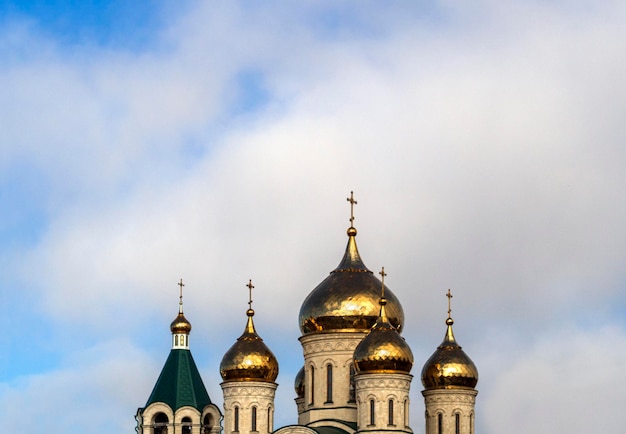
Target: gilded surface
449	367
347	300
249	359
383	349
299	383
180	325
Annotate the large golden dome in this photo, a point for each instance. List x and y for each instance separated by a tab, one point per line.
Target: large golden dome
383	349
347	300
249	359
180	325
449	367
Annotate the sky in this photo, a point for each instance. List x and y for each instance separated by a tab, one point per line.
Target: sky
218	141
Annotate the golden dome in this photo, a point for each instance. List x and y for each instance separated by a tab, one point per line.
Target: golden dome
180	325
298	384
383	349
347	300
449	367
249	359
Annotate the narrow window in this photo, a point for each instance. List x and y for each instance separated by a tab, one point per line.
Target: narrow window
329	383
472	423
372	414
270	424
236	427
406	412
312	385
390	422
176	340
253	418
186	425
160	423
457	423
439	423
208	423
352	388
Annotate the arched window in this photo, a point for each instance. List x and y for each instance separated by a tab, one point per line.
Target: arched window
312	370
439	423
372	412
329	383
457	423
159	423
176	340
236	420
472	423
186	425
270	422
390	421
253	419
207	424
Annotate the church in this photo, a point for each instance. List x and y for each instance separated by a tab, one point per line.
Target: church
355	378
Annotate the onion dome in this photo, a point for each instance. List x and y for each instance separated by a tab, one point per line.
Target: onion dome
180	325
383	349
449	367
347	300
298	384
249	359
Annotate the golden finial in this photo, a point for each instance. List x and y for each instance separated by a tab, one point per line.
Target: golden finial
383	274
352	203
449	321
250	287
180	302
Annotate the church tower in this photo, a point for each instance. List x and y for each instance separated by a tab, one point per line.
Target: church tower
449	378
383	362
249	370
179	402
334	318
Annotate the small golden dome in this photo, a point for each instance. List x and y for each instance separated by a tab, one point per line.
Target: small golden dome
249	359
347	300
383	349
298	384
449	367
180	325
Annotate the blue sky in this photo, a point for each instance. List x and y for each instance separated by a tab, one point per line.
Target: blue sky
217	142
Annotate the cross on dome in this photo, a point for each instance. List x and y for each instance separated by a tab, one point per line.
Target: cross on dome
352	203
180	302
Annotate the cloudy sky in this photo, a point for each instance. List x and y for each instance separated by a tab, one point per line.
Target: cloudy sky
217	142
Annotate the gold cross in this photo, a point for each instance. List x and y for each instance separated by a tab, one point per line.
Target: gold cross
449	295
250	286
181	284
383	274
352	203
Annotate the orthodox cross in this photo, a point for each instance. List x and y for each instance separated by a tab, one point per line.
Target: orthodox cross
181	284
250	287
383	274
352	203
449	295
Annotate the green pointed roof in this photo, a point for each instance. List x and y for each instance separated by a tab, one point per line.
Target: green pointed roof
179	383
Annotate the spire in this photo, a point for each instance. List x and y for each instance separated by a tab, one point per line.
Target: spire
383	349
180	327
351	261
449	367
249	358
250	330
383	300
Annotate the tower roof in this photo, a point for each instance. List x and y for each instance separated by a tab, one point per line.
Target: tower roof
347	300
383	349
249	359
449	367
179	383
